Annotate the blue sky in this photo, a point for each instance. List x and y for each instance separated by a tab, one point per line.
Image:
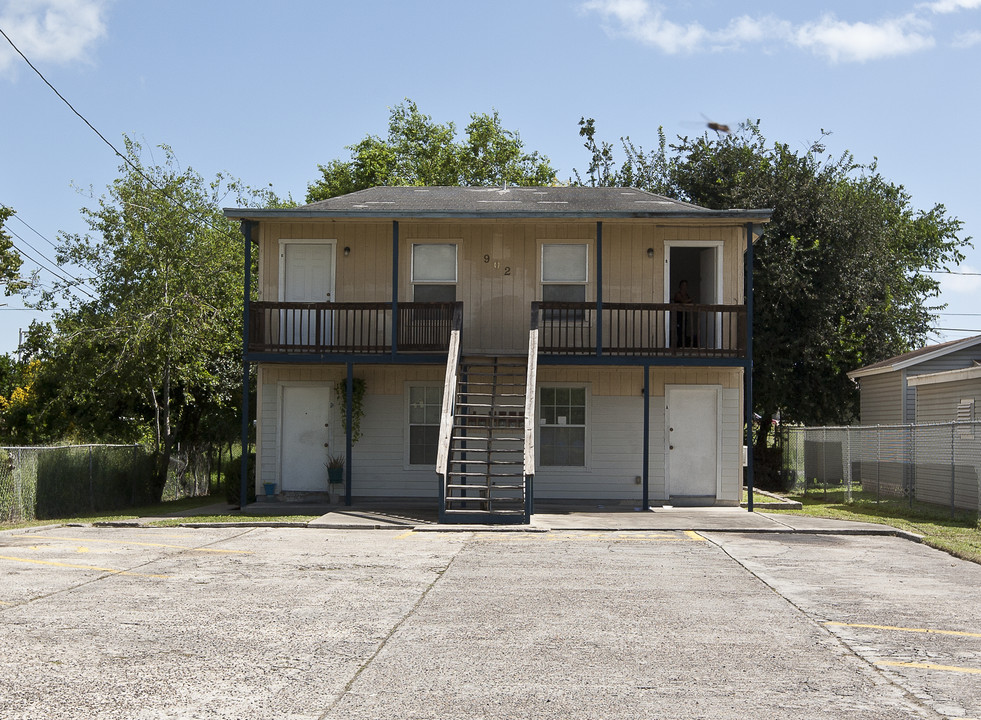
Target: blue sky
267	91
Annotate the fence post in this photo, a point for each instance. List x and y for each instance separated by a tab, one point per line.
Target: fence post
878	459
953	469
847	469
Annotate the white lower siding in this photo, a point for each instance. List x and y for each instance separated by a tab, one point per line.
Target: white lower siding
615	448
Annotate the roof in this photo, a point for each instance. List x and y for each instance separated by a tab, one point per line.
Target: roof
499	202
915	357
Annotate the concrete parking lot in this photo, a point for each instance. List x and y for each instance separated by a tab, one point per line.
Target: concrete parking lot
329	623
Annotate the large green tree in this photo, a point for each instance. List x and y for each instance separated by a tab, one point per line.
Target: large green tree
419	151
841	274
155	351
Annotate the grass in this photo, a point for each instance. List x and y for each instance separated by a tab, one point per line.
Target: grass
162	510
959	535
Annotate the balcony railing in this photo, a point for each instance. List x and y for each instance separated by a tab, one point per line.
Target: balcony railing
361	328
666	329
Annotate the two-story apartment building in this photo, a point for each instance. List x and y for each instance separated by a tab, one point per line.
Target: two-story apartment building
502	345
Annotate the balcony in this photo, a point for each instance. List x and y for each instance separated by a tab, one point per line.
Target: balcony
646	330
349	328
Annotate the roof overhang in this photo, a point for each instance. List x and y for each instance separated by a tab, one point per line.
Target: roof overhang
947	376
903	362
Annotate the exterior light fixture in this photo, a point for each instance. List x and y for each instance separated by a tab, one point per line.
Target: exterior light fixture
650	252
347	251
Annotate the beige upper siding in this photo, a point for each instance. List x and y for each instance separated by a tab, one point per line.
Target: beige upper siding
499	263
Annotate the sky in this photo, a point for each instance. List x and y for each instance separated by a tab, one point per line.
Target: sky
267	91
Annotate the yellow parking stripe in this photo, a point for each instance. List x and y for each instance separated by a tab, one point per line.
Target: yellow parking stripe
694	535
931	666
141	544
79	567
906	629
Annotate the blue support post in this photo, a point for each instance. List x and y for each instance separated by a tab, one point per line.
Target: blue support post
599	288
645	476
748	399
349	410
243	497
395	287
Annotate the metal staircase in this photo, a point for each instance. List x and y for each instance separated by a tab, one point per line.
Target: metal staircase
485	480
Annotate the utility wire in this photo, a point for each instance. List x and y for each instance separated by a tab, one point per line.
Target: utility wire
78	281
70	280
24	222
136	168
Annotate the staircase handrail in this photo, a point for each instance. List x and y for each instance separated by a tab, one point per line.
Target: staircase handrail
449	392
531	381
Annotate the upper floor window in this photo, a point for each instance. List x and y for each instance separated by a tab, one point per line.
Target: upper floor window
564	272
434	274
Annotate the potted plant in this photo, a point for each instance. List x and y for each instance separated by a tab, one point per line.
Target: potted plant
335	469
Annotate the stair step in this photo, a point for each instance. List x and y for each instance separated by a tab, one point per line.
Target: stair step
484	488
462	511
460	473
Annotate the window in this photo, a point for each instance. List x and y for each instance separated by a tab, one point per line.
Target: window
562	426
434	272
425	407
564	273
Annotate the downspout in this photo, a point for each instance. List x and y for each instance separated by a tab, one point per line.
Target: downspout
599	288
243	497
748	367
395	288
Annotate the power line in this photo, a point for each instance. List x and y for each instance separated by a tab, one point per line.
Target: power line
24	222
136	168
950	272
70	280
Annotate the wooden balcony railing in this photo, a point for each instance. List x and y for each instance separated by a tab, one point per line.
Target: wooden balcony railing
666	329
362	328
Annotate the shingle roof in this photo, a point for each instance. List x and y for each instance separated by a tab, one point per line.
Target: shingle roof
513	201
914	357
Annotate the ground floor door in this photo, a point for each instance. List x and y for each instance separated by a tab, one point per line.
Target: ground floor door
304	414
693	422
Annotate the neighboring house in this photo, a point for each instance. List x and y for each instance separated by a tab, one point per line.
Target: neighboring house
515	343
935	384
887	395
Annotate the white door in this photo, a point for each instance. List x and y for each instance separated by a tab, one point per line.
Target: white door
693	441
306	275
304	433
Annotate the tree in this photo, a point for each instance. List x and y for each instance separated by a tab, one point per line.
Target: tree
156	353
840	274
419	151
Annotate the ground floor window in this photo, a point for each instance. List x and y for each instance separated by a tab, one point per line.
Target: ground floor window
562	427
425	406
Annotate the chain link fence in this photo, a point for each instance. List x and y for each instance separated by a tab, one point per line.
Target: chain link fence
72	480
937	464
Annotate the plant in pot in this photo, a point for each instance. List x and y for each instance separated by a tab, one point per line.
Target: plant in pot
335	469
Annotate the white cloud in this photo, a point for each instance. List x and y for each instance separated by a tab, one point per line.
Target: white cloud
967	39
50	31
837	40
943	7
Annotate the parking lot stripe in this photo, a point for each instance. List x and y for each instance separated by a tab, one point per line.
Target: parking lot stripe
906	629
931	666
141	544
79	567
694	535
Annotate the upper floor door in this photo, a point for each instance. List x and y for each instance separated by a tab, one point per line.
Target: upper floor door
306	275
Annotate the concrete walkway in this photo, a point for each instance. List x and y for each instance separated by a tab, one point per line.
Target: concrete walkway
421	515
